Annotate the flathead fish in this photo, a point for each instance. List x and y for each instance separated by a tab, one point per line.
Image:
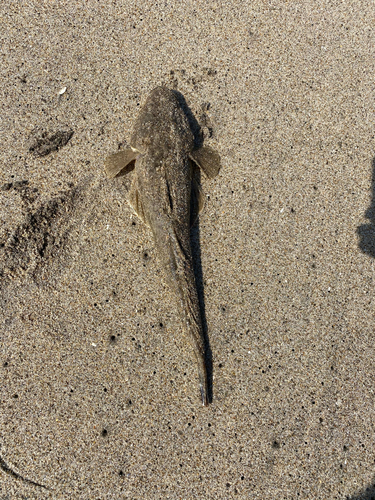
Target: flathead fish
166	197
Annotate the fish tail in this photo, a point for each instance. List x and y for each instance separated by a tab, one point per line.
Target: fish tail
194	326
175	254
203	387
203	379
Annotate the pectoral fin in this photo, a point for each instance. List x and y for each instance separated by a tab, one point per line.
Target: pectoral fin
121	162
197	201
207	160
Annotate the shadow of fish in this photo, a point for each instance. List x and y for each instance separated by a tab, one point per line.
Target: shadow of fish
161	153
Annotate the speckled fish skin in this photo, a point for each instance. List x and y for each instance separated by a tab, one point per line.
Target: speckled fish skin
161	194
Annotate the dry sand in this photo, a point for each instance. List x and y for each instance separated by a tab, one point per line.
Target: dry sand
99	394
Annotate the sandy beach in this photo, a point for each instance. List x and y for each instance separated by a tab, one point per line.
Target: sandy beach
99	394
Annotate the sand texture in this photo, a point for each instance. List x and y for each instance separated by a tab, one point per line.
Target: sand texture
99	388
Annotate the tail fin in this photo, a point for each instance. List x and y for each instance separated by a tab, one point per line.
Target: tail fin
203	387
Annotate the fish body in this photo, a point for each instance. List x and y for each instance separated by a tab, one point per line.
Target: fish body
162	145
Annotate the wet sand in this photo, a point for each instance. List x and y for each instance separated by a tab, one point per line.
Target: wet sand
99	393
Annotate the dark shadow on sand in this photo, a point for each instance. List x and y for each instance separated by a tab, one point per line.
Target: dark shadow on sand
367	494
366	232
197	263
195	245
